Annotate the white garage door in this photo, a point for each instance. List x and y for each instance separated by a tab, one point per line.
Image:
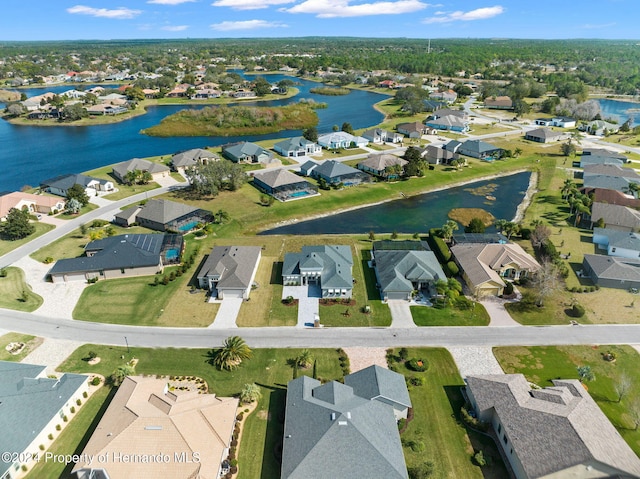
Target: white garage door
231	293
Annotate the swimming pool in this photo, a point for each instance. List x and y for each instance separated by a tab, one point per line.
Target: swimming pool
298	194
172	254
188	226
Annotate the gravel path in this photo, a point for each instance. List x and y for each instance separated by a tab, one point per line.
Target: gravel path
360	358
51	353
59	298
475	360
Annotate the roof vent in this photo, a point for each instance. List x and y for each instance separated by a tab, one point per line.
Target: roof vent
153	428
348	414
342	423
333	416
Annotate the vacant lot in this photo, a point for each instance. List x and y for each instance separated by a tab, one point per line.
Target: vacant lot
16	294
451	316
541	364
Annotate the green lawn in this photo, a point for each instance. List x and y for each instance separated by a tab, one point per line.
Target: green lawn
16	294
31	343
541	364
268	368
75	436
426	316
7	245
436	408
85	209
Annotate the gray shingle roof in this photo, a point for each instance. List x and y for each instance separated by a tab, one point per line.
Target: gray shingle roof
335	262
619	239
615	215
121	169
381	161
377	382
191	157
64	182
448	121
333	169
123	251
613	267
28	404
398	269
603	152
331	432
234	264
616	183
552	429
293	144
240	150
611	170
544	133
164	211
278	177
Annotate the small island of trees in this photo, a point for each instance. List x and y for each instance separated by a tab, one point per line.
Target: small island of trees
330	91
235	121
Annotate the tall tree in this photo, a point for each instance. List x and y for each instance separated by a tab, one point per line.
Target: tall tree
234	350
78	192
17	225
347	128
310	134
546	281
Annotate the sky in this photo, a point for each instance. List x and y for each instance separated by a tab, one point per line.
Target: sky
139	19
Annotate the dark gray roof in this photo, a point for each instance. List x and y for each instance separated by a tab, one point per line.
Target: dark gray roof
600	160
401	245
376	382
478	146
121	169
611	170
164	211
603	152
333	169
615	215
234	265
613	267
451	146
619	239
240	150
64	182
279	177
191	157
292	144
552	429
544	133
617	183
331	432
129	214
123	251
334	262
29	403
398	269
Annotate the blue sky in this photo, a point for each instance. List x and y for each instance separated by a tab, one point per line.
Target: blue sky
128	19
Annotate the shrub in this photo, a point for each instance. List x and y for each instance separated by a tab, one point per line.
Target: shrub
50	436
24	468
72	409
451	269
84	394
479	459
48	260
402	423
65	418
525	233
508	289
99	223
403	354
416	381
471	421
463	303
440	248
417	446
421	471
78	402
419	365
41	446
58	427
577	311
95	381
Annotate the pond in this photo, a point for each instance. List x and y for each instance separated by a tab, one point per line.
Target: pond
421	212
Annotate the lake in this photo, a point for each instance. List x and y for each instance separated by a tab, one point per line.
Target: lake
619	110
31	154
421	212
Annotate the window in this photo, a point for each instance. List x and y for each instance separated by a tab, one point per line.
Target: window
499	428
122	270
504	438
613	250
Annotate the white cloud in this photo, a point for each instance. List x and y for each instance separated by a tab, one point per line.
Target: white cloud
246	25
249	4
175	28
477	14
169	2
342	8
119	13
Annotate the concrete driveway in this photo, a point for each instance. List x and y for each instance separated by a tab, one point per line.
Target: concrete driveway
400	314
227	314
500	317
308	302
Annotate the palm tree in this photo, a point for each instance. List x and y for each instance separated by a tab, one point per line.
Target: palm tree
585	374
567	187
633	189
221	216
120	373
448	228
233	351
305	359
517	152
250	393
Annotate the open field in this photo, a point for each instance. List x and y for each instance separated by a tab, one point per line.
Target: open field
436	407
541	364
268	368
16	294
426	316
31	343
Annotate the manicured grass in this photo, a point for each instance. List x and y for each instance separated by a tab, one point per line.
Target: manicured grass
85	209
12	289
7	245
436	408
31	343
72	245
541	364
427	316
75	436
268	368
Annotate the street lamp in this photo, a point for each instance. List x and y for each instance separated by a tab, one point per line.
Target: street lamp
127	343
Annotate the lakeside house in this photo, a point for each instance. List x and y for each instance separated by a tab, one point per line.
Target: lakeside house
412	130
625	244
187	159
229	271
31	406
557	431
121	256
621	218
479	149
354	424
245	152
283	185
327	266
156	170
59	185
379	136
164	215
334	172
33	203
600	128
341	139
436	155
385	165
588	160
297	146
150	416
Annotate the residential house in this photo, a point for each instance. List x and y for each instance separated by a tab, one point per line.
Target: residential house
165	215
353	424
297	146
564	122
545	135
486	267
104	109
33	203
206	93
479	149
612	271
246	152
378	136
553	432
156	170
448	96
586	160
31	406
120	256
602	195
385	165
436	155
400	272
151	416
150	93
611	170
499	103
186	159
452	146
35	102
412	130
613	177
179	91
621	218
604	152
243	94
334	172
463	237
283	185
229	271
462	114
433	105
327	266
341	139
543	121
600	128
386	84
625	244
448	123
61	184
